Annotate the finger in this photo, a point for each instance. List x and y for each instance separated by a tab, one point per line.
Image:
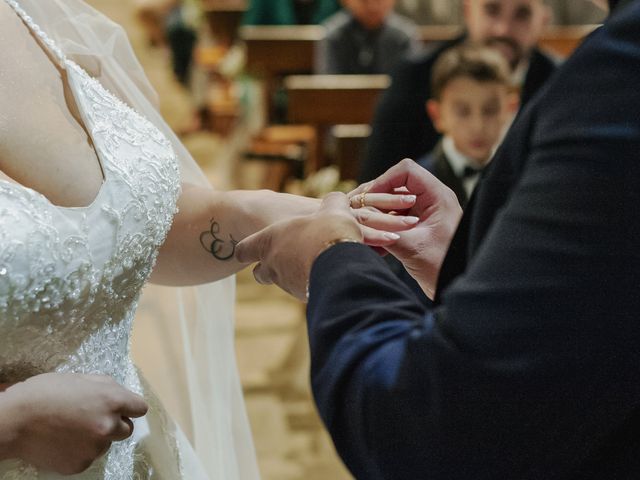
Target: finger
122	429
384	201
335	202
409	174
253	248
385	221
133	405
377	238
365	187
263	274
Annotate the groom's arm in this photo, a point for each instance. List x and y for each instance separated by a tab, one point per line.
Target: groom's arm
496	387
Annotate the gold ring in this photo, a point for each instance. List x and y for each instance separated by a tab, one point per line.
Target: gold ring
362	200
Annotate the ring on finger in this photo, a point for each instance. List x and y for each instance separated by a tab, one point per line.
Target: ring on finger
362	200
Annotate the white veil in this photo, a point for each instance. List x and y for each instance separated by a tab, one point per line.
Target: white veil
196	328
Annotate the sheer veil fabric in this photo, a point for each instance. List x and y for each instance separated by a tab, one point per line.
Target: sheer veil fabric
197	328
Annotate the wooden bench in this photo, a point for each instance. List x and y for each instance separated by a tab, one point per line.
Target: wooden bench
559	39
224	18
276	51
327	100
280	50
350	142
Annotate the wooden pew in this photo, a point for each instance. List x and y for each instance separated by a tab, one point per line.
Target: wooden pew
276	51
350	142
563	40
559	39
327	100
224	17
280	50
272	53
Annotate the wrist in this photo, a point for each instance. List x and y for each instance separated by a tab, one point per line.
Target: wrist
254	216
331	243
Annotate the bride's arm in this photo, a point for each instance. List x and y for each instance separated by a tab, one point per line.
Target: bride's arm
200	247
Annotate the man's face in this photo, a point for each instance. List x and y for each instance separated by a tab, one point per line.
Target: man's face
370	13
512	26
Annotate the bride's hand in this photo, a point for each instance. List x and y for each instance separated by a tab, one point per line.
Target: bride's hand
380	213
64	422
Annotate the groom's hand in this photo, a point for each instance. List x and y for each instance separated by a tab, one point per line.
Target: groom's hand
286	250
421	249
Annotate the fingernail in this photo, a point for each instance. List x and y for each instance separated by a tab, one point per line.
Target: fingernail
391	236
410	220
409	198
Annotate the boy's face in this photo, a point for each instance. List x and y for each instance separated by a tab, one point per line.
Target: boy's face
512	26
473	114
370	13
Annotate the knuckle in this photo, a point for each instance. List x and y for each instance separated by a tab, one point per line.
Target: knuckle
364	215
104	427
407	162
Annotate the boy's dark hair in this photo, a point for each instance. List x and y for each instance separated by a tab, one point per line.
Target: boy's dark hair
474	61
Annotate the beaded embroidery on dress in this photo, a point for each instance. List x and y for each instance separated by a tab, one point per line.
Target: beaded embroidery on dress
70	278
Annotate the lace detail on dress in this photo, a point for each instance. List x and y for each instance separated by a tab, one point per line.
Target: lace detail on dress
55	280
70	278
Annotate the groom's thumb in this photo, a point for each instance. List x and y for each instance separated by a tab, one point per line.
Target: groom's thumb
252	248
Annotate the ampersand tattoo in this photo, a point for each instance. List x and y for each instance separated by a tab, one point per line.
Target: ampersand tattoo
219	248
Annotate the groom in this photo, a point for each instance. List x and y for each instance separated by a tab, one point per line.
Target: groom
529	366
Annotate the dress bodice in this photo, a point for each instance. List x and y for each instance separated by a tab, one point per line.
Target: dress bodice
70	277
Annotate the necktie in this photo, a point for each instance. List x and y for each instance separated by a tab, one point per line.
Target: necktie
469	172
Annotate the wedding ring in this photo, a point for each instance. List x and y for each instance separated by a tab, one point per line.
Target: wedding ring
362	199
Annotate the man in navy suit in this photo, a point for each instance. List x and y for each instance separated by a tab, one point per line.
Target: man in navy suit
529	366
401	128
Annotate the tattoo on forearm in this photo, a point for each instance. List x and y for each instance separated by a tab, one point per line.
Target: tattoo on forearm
219	248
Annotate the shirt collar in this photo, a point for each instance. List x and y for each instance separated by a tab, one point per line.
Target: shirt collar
457	160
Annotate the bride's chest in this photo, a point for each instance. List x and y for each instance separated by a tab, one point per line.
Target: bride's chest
87	264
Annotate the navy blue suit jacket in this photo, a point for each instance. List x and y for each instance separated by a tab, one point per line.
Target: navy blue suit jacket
529	367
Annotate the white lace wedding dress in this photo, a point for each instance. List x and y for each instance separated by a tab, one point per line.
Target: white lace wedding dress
70	278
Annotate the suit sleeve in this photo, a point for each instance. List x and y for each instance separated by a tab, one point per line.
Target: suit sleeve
529	366
528	369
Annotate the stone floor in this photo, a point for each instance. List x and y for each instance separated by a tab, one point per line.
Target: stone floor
271	342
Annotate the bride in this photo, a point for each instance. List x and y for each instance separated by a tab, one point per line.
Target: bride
97	196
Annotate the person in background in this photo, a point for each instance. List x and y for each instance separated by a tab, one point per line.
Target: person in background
471	106
431	12
367	37
401	128
289	12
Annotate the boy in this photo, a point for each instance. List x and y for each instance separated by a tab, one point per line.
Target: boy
471	106
367	37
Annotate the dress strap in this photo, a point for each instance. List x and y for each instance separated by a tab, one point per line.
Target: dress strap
49	44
